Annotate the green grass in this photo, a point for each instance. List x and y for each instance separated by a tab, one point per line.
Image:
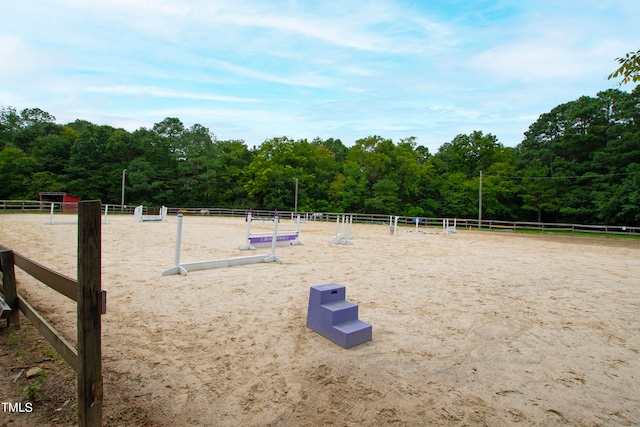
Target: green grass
635	237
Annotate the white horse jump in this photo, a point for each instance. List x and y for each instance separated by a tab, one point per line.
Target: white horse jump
185	267
303	218
393	223
448	227
263	240
52	220
138	217
106	214
343	230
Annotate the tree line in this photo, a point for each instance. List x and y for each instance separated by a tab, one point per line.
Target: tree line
579	163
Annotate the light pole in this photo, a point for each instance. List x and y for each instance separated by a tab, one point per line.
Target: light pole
480	203
295	209
124	171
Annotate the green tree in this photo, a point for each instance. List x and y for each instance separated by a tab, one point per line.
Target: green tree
270	178
348	190
629	68
538	192
16	168
222	181
582	147
457	165
384	198
52	153
411	174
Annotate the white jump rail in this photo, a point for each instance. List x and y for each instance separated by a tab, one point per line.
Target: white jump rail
263	240
52	217
183	268
139	217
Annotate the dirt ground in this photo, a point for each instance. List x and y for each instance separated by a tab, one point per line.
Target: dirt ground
472	328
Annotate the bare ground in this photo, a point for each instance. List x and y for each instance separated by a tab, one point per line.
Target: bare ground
476	328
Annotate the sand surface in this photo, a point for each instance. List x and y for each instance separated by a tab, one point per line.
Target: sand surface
475	328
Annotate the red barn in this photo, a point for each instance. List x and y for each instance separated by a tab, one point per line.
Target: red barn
68	202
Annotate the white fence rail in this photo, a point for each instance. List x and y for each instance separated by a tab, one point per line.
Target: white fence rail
382	219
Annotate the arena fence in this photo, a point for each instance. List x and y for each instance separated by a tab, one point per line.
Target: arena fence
382	219
86	291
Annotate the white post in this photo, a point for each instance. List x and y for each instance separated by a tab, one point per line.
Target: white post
274	241
51	216
247	240
177	268
297	240
341	230
480	203
106	213
395	227
124	171
137	214
176	257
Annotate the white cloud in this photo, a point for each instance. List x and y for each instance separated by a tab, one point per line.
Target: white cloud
164	93
313	67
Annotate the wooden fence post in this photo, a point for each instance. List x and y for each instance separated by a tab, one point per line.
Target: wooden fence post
9	285
90	391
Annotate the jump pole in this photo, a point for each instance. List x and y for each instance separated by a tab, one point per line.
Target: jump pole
348	227
253	240
342	228
177	268
446	226
139	217
184	268
393	223
51	216
274	241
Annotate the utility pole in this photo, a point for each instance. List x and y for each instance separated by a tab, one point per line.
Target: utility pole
480	203
295	209
124	171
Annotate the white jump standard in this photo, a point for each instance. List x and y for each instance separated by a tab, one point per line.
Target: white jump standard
343	230
185	267
265	240
52	220
138	217
448	227
393	223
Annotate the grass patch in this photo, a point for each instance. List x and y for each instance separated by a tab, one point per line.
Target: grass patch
577	233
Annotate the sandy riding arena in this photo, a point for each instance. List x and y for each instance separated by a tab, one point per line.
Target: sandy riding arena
473	328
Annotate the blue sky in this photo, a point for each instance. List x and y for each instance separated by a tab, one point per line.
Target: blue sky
255	69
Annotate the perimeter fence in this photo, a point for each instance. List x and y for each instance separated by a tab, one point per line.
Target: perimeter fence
381	219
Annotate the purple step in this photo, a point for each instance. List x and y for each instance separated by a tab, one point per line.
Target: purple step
336	319
353	332
339	311
323	294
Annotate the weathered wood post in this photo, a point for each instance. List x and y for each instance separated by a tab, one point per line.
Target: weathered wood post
89	311
9	285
